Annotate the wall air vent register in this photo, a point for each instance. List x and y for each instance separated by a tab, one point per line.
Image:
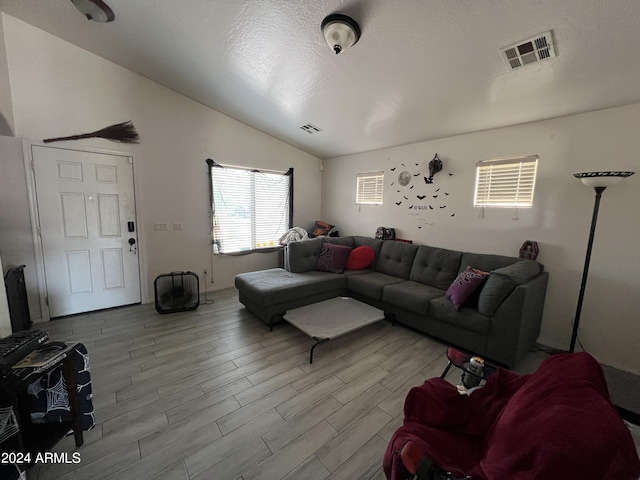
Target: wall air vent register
531	50
310	128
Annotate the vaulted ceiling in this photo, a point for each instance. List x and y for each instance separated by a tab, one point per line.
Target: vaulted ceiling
422	70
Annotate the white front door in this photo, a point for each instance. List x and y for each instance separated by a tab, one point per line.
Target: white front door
86	211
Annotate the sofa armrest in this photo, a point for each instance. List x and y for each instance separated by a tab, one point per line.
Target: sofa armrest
515	325
502	281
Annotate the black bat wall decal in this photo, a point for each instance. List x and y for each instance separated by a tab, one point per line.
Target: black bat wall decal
421	197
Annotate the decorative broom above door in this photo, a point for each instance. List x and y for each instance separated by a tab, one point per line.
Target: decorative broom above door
123	132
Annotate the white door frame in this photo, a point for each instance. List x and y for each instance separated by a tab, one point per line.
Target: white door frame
33	210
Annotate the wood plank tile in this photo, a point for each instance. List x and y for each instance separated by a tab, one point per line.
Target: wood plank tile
278	437
176	472
309	397
357	407
193	407
261	389
104	466
335	452
276	369
363	464
148	410
238	462
254	409
189	381
283	461
232	375
360	367
219	449
354	388
204	420
310	469
321	372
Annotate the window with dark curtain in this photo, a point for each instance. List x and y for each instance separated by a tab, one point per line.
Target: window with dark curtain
251	209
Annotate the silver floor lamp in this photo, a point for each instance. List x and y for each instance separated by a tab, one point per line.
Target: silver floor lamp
599	181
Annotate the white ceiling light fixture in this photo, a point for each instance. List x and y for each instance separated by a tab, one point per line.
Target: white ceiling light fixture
95	10
340	32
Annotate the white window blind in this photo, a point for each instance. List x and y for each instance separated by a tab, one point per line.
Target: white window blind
251	209
508	182
369	188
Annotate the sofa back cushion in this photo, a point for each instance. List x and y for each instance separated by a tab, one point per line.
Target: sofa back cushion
503	281
375	243
348	241
485	261
303	256
396	259
436	267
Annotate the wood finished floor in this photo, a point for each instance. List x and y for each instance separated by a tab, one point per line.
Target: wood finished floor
213	394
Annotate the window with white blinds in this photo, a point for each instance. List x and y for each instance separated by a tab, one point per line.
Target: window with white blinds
508	182
251	209
369	188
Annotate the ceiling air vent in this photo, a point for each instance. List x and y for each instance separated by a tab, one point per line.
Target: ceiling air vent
310	128
528	51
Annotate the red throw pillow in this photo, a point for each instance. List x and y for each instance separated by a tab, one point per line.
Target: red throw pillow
360	258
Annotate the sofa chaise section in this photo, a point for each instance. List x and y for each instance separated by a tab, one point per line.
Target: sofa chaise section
268	294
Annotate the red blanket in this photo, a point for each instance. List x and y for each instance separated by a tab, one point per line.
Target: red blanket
556	423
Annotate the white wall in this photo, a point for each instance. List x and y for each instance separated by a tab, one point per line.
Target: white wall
559	220
6	109
59	89
16	237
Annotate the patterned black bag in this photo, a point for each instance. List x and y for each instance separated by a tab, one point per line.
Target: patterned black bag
48	395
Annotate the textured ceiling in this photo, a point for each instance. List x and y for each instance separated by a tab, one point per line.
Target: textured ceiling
422	70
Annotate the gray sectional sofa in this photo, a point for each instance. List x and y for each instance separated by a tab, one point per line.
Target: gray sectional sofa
409	283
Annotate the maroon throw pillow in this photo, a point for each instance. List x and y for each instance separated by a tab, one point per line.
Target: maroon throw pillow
333	258
360	258
464	285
